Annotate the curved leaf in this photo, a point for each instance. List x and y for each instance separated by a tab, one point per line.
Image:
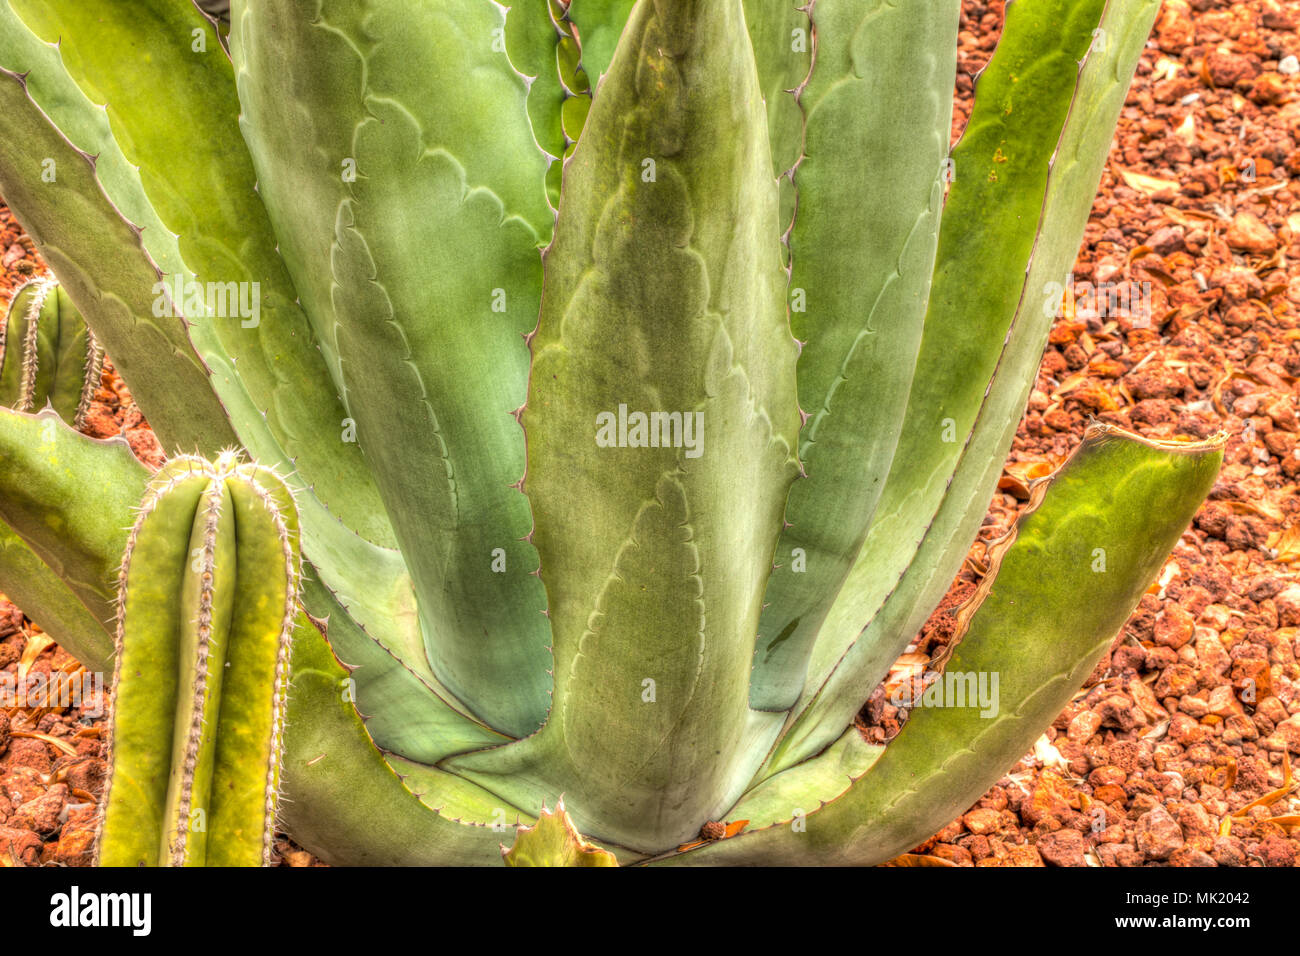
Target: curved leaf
431	345
150	59
878	109
1026	173
1061	586
663	297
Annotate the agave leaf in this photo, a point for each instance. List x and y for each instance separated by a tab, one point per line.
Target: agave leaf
554	841
69	498
862	250
342	799
536	43
782	36
664	294
405	709
599	23
1102	528
1026	172
200	180
435	356
86	125
27	581
805	787
73	222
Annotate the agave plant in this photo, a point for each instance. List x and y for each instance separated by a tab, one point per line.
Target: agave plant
641	372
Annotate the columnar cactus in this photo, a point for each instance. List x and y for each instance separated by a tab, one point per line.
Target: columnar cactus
47	354
641	372
206	609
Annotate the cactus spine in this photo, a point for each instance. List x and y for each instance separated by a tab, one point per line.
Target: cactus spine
208	591
55	357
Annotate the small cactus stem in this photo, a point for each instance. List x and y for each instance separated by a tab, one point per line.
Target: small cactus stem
90	383
208	607
205	692
27	392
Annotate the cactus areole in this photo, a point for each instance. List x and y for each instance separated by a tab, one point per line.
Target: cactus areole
628	379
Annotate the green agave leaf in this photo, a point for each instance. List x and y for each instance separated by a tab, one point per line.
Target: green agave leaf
554	841
69	498
664	295
805	787
878	109
343	802
782	37
432	347
1060	587
72	222
29	583
86	125
204	192
1026	172
334	548
542	49
532	41
405	709
599	24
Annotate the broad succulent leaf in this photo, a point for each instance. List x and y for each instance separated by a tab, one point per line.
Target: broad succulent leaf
200	180
344	800
1110	517
433	343
69	498
1026	171
554	841
782	37
73	222
600	23
30	583
543	48
664	295
858	292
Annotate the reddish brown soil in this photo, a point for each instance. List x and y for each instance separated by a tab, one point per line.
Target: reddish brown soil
1177	751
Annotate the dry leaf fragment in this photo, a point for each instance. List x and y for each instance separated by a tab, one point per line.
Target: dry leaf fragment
1149	185
36	645
1287	545
63	745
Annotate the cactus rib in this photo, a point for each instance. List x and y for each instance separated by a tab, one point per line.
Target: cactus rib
32	318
